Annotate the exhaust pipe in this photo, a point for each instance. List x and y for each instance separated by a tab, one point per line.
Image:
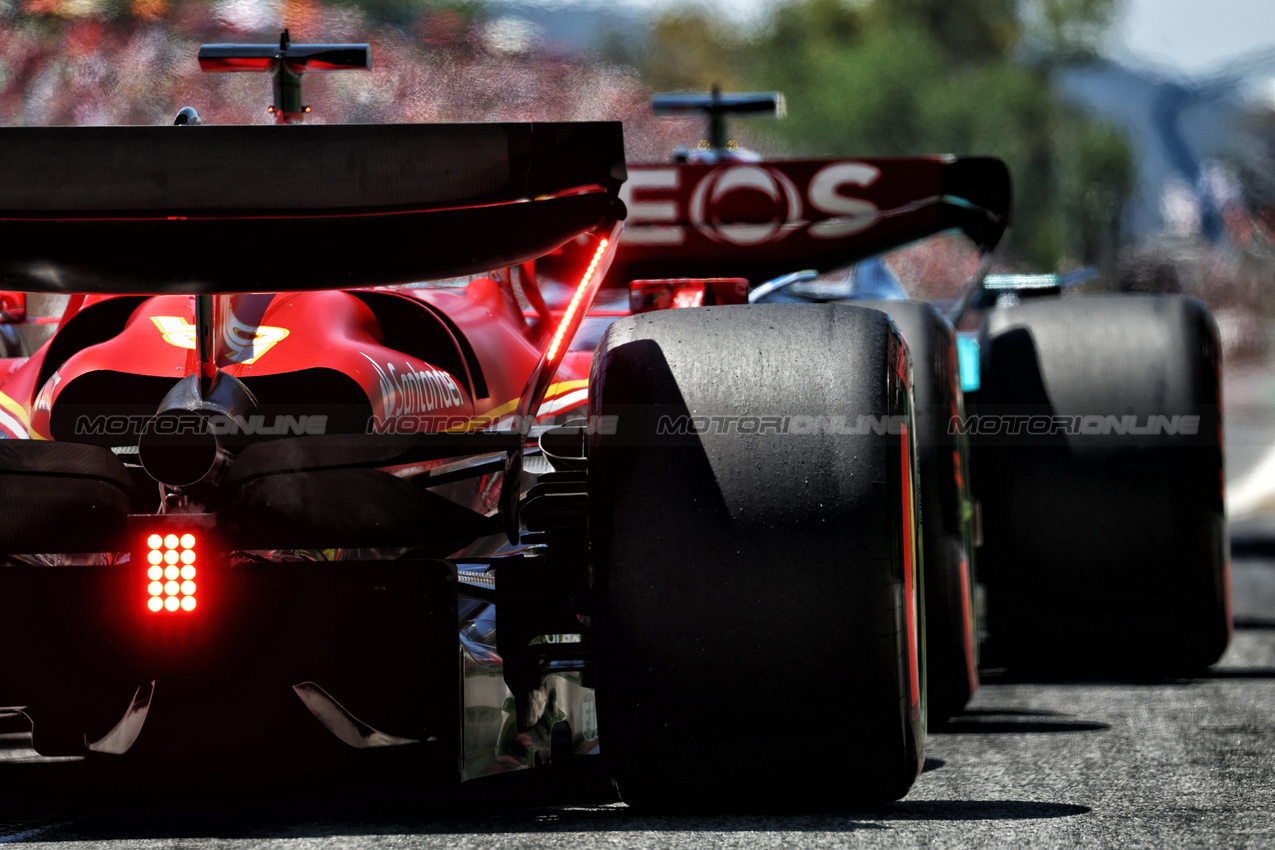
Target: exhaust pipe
179	445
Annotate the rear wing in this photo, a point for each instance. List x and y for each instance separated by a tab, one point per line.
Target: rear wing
764	219
200	210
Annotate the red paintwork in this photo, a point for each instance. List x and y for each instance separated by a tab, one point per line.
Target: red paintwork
334	330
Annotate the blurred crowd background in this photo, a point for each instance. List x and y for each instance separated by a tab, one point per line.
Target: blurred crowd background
1160	181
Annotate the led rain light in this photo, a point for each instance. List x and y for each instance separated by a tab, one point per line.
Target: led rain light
165	592
575	301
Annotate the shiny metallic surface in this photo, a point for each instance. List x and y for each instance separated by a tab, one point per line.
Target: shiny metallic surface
492	742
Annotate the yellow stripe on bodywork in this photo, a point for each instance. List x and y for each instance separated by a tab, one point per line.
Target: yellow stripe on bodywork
18	412
482	420
565	387
15	410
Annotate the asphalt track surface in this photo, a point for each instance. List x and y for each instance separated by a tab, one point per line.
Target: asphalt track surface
1177	763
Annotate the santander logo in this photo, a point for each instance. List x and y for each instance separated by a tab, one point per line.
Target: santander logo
747	204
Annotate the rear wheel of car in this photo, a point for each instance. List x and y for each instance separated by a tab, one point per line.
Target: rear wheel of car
756	593
1105	539
951	661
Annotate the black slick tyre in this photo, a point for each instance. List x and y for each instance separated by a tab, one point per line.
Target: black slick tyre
951	632
755	587
1100	479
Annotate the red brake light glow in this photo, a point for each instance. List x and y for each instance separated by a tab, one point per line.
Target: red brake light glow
557	341
165	592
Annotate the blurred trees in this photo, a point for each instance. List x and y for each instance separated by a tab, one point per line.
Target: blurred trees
900	77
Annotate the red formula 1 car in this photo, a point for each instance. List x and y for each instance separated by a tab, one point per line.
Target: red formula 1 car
259	470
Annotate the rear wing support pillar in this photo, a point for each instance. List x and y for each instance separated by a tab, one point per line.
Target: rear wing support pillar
285	64
716	106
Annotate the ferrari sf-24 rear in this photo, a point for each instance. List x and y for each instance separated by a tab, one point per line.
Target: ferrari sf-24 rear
259	464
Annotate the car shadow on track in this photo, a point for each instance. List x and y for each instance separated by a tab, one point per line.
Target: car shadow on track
89	800
78	801
1240	673
350	817
997	721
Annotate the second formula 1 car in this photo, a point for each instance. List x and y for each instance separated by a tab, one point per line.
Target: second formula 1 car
1073	443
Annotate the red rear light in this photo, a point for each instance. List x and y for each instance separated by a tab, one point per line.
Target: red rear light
559	335
170	587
